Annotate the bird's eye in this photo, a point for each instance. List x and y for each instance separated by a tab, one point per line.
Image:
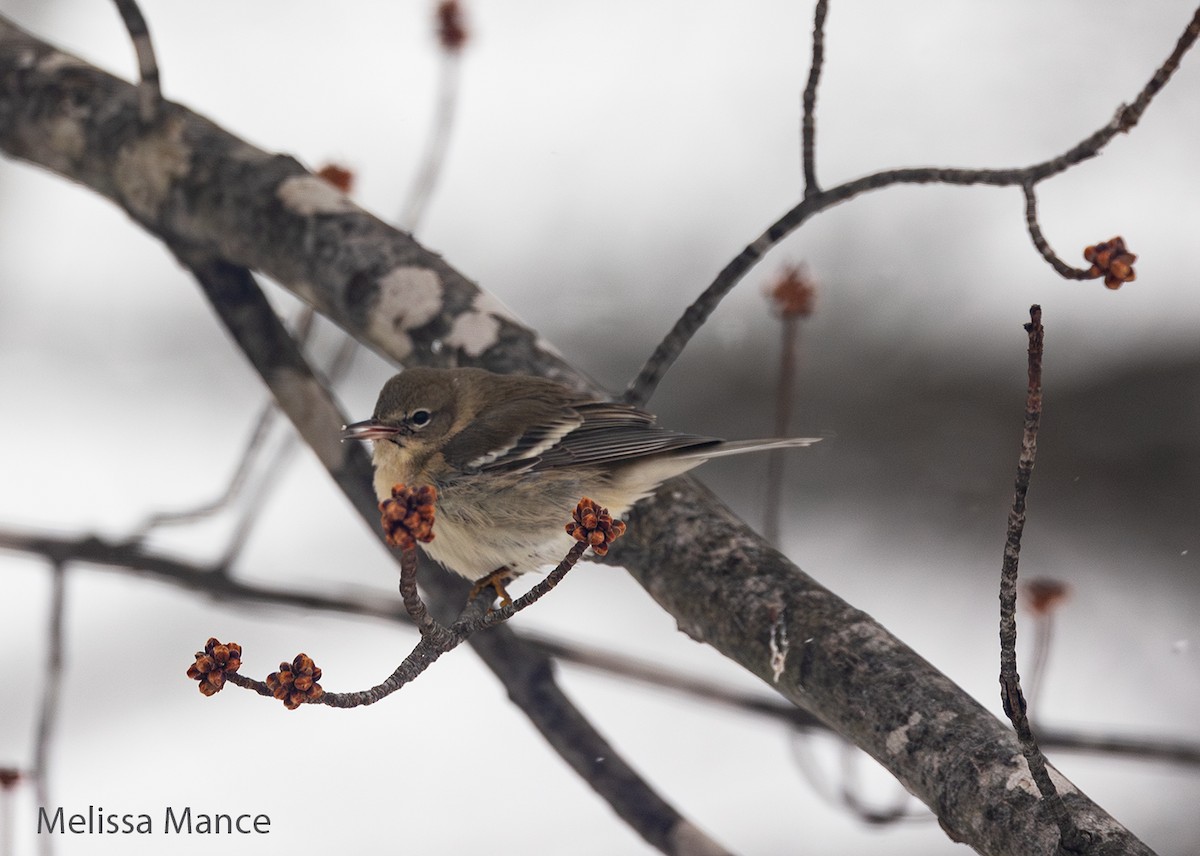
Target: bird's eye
420	418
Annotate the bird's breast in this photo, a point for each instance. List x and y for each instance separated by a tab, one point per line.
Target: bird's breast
396	464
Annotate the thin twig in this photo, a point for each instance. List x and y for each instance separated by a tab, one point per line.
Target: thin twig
1132	114
1064	270
1072	838
537	592
413	605
808	125
149	86
232	488
48	713
132	559
434	157
643	386
437	639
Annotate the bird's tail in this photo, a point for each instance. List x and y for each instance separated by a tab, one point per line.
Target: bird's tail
738	447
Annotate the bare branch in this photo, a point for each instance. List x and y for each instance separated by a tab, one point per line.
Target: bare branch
1040	242
1073	839
808	125
642	387
430	168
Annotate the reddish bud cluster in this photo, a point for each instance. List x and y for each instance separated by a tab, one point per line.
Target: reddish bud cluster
338	176
1112	261
407	517
296	682
217	660
9	777
1045	595
451	29
794	293
594	526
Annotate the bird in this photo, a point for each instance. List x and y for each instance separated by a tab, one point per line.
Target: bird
510	455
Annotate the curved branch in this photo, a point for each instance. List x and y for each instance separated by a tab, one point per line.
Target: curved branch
808	121
815	201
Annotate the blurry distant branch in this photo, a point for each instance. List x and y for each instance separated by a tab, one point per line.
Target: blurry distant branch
1043	598
816	200
53	676
233	488
138	561
452	38
251	461
848	792
792	296
10	779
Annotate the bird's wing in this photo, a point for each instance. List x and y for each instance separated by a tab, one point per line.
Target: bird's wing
609	432
578	433
508	447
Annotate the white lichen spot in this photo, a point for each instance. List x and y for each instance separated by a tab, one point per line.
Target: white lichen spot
305	290
146	168
690	839
409	297
64	137
489	304
479	328
307	195
762	244
945	717
54	62
1021	778
779	648
547	346
897	739
1061	783
474	333
25	58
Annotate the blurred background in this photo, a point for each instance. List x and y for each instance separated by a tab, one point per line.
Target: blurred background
607	159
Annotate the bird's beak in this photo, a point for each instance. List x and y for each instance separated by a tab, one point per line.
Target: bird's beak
370	429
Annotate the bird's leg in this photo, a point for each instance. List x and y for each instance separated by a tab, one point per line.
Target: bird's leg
497	579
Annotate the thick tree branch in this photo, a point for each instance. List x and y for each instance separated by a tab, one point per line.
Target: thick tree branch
206	192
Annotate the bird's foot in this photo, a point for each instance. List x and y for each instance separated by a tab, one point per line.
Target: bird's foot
496	580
